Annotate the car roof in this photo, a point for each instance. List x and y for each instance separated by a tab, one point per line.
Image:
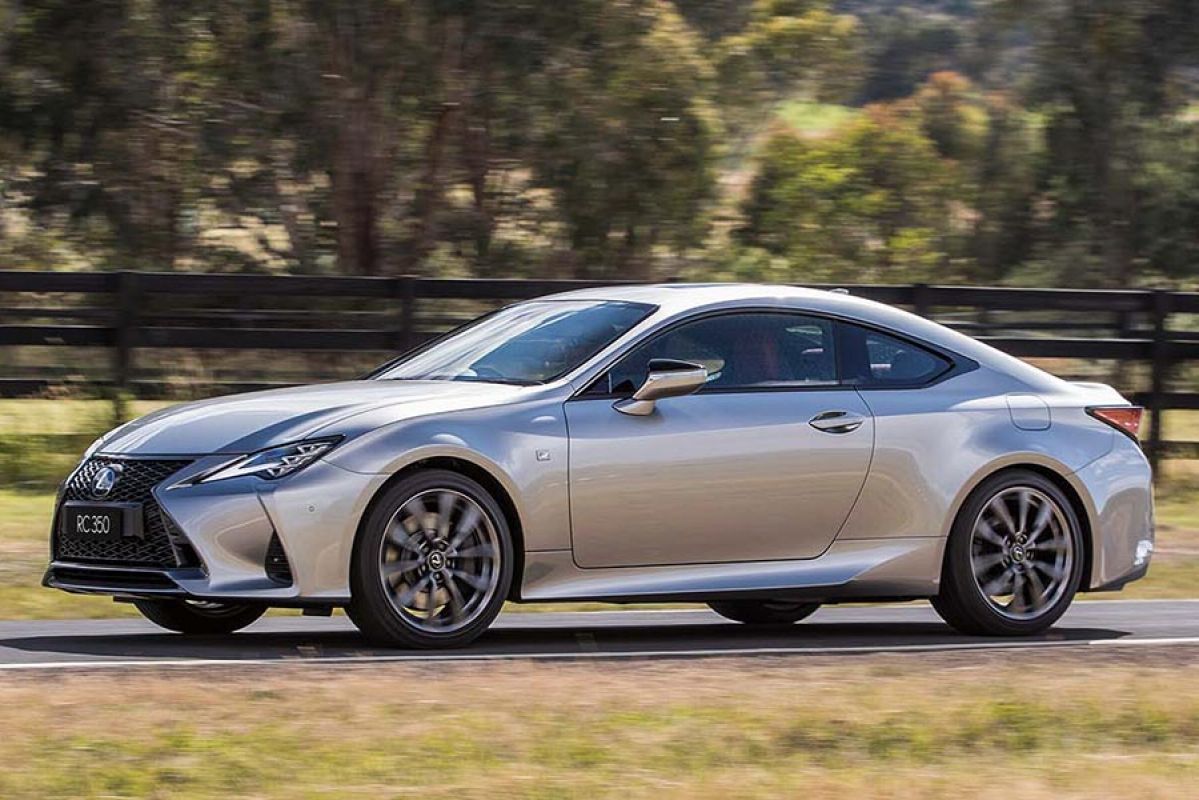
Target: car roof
674	299
669	296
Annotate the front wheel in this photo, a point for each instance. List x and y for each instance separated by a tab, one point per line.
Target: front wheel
1014	558
198	617
433	564
763	612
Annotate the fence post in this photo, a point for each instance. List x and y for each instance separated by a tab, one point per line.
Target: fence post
1160	365
127	302
920	299
405	290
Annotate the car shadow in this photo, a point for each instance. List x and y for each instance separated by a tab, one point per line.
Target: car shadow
589	640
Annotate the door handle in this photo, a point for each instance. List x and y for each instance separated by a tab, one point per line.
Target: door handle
836	422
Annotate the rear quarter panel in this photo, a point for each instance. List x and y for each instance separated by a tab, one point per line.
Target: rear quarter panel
934	445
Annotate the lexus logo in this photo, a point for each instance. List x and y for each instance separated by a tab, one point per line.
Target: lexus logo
105	480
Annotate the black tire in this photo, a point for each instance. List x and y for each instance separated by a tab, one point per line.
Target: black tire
962	602
372	608
195	618
764	612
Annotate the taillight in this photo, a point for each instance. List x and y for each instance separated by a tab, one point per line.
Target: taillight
1126	419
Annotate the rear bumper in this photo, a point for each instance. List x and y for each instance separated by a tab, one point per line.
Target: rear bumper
1118	490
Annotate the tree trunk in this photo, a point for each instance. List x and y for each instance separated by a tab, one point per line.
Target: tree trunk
355	192
430	188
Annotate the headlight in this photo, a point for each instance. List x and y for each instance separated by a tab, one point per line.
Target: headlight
274	462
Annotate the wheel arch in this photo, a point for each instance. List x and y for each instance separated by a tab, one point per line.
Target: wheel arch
476	472
1059	476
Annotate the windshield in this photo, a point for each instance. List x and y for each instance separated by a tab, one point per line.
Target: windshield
523	344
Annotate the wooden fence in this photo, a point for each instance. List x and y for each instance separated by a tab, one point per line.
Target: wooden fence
125	312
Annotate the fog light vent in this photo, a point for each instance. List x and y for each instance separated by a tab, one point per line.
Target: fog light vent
278	569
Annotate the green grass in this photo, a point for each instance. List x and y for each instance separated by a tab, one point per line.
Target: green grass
24	552
41	440
814	119
894	727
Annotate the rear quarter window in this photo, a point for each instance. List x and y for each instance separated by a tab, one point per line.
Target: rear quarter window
875	359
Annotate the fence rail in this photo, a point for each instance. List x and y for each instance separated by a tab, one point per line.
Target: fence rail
124	312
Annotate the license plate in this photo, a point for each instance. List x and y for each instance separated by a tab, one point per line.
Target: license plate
101	522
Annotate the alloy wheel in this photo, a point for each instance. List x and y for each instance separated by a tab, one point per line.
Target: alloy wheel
439	561
1022	552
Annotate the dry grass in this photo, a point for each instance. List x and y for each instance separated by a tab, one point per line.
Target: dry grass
1060	725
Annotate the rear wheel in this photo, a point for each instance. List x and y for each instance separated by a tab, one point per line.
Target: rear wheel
198	617
1014	558
764	612
433	564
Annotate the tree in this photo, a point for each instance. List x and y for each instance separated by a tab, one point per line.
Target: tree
872	202
1108	76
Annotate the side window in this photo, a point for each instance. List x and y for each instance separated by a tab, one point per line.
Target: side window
870	358
740	351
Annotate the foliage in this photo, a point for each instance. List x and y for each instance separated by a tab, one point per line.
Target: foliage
873	199
1051	141
356	136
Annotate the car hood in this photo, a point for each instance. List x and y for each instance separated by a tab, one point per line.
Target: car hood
248	422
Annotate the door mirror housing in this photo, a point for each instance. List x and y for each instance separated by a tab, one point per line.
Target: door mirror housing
666	378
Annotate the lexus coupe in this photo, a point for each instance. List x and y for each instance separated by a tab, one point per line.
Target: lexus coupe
760	449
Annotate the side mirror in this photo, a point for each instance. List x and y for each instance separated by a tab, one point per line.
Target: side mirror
667	378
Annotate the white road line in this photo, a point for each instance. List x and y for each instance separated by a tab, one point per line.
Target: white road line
593	655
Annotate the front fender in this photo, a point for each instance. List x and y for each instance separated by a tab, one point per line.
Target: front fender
524	448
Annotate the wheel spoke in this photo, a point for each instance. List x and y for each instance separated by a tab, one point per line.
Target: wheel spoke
478	551
988	533
418	513
466	526
446	501
431	598
999	584
999	506
1019	601
393	568
1051	571
401	538
476	582
1036	587
408	595
1040	523
1023	501
457	604
985	562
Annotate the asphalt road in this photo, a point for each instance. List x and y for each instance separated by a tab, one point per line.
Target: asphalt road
106	644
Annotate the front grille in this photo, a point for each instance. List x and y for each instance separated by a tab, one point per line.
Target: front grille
139	477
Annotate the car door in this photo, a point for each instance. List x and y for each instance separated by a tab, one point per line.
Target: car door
764	462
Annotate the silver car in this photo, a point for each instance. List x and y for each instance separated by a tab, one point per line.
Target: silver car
761	449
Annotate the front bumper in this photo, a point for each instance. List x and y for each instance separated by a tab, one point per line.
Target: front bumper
120	581
237	529
146	583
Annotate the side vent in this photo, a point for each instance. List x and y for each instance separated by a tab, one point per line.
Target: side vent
278	568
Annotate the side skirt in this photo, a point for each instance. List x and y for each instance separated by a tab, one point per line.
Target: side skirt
854	569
